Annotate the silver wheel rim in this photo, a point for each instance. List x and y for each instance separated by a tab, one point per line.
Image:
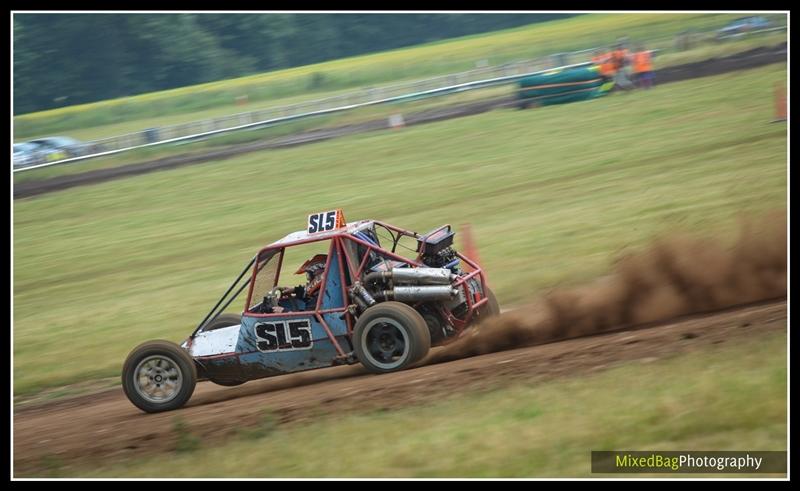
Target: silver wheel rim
378	332
157	379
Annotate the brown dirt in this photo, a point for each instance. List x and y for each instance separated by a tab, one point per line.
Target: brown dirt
715	66
107	427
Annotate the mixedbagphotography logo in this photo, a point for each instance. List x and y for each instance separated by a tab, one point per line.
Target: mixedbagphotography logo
679	462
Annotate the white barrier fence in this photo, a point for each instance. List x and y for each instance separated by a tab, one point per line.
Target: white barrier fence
473	79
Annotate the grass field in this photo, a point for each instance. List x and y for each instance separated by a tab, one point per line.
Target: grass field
120	116
553	194
722	398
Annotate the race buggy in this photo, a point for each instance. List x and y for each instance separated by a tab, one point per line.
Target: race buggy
363	302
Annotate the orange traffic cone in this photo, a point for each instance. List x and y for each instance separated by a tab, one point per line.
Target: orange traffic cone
780	103
470	250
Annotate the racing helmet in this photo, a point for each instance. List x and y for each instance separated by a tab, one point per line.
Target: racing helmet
313	268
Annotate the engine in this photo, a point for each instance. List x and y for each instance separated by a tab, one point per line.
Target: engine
437	250
446	258
428	289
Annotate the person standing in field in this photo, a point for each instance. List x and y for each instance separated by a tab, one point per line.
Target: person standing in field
643	68
620	60
603	61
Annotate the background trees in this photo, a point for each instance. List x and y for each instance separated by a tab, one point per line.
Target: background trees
65	59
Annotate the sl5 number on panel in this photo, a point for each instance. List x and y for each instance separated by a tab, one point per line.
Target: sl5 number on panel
325	221
283	335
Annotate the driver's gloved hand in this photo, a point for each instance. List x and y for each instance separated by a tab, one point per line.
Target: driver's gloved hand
299	291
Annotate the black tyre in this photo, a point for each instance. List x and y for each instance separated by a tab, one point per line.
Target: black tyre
223	320
390	336
159	376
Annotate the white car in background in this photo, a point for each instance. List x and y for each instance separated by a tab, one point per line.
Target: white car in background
744	25
60	147
26	154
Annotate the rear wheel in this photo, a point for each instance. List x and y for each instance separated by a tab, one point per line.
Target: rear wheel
390	336
159	376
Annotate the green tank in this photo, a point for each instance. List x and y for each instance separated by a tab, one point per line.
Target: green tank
559	86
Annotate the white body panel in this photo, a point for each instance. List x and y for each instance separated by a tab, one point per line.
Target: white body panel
216	342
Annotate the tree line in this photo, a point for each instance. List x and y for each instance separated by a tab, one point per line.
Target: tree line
66	59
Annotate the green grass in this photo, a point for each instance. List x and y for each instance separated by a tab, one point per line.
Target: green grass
120	116
552	193
720	398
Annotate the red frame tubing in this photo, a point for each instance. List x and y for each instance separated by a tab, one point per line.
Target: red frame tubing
362	264
383	251
252	283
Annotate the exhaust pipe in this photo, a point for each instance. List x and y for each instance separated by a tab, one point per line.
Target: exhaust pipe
419	293
428	276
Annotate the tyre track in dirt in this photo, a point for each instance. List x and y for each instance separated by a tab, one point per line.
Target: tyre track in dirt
749	59
107	427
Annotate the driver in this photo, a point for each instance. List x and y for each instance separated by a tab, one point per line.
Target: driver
313	268
307	294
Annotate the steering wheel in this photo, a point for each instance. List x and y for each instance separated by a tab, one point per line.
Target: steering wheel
275	294
271	299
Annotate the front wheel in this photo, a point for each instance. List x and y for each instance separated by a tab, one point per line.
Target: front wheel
159	376
390	336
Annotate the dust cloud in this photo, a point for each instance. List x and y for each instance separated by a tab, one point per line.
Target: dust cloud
677	275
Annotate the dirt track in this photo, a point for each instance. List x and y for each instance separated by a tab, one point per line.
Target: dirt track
749	59
106	426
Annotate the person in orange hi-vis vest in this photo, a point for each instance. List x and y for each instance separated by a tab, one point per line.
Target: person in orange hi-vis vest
643	68
603	60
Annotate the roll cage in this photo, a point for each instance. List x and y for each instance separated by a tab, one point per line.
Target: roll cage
356	247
